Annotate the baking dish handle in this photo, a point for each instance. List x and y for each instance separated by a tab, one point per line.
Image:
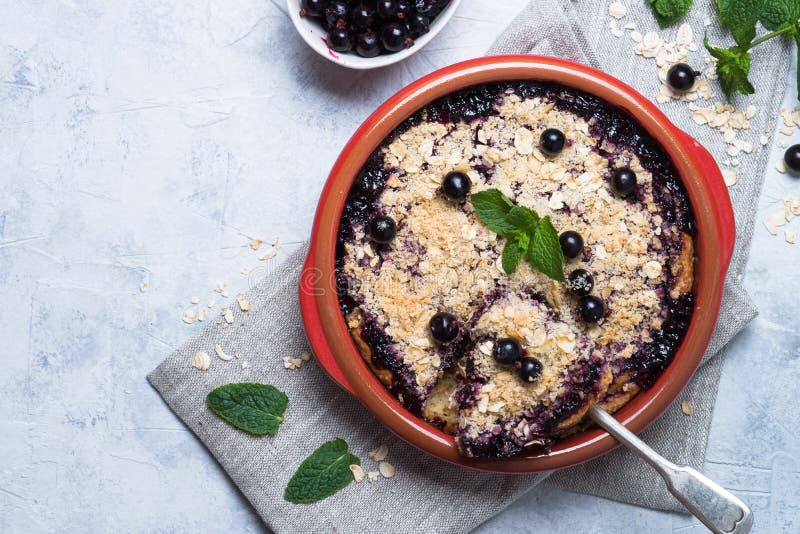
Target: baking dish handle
308	290
717	190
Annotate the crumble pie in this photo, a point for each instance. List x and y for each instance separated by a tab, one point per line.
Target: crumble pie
408	256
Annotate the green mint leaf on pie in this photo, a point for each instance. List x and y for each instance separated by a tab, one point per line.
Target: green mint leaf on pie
491	207
733	66
668	12
322	474
544	251
740	16
523	218
254	408
513	253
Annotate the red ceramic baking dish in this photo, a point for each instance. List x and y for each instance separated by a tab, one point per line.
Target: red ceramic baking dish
323	319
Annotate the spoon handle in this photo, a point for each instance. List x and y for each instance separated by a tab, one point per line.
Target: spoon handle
718	509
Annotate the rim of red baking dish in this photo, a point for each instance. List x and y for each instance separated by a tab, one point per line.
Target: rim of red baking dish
714	242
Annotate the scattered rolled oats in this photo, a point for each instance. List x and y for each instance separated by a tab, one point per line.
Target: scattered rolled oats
212	301
227	314
306	356
201	314
276	242
771	228
781	166
255	244
386	469
790	236
268	255
686	407
617	10
372	476
614	27
379	454
244	304
221	353
143	287
358	473
729	176
189	316
292	363
201	361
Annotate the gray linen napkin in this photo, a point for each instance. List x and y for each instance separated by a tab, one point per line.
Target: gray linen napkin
428	495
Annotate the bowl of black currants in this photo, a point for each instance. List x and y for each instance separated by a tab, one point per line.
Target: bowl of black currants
365	34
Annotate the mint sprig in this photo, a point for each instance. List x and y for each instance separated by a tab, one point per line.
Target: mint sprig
527	235
322	474
255	408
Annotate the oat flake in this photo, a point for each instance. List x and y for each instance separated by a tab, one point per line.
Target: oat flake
686	407
201	361
379	454
358	473
221	353
386	469
617	10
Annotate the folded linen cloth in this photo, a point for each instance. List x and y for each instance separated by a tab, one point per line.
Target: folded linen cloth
428	495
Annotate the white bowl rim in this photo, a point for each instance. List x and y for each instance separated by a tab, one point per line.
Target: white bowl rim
312	34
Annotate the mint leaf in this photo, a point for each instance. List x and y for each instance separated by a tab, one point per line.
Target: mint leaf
491	207
544	251
776	14
254	408
521	226
740	16
733	66
523	218
668	12
322	474
513	253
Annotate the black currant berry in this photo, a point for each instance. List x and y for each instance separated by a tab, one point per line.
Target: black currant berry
681	77
624	181
580	282
443	327
382	229
552	141
393	37
312	8
792	158
571	243
339	40
367	44
336	13
591	309
530	369
507	351
361	16
456	185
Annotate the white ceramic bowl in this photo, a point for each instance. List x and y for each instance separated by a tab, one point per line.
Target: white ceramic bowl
314	34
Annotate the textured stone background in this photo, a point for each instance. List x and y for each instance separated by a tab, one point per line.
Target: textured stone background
144	140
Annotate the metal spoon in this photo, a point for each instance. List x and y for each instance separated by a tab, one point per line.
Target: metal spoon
718	509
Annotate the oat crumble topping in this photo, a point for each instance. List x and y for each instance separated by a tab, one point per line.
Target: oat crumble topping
443	259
